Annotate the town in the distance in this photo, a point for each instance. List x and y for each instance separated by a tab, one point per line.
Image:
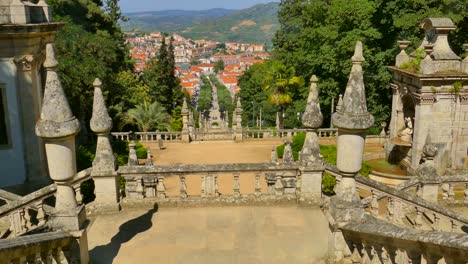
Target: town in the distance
228	60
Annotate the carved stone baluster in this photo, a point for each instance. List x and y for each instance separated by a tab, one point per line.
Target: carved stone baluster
442	261
451	192
418	220
436	222
183	187
258	186
40	213
61	256
298	184
374	204
78	195
356	256
391	208
445	191
140	191
418	190
25	219
236	185
161	188
455	227
386	259
375	256
203	186
466	193
365	256
216	187
38	258
279	187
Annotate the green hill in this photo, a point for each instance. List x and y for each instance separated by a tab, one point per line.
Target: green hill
256	24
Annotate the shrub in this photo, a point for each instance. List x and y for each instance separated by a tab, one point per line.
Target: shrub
84	156
280	151
328	184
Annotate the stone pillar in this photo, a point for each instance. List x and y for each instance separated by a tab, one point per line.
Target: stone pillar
238	114
277	121
429	178
465	61
311	164
58	127
185	121
402	57
132	156
106	178
191	125
352	121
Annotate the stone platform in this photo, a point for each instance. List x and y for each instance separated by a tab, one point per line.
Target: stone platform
210	235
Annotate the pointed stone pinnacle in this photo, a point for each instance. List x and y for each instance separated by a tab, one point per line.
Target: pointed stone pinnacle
340	104
353	113
312	117
358	57
185	110
100	122
56	120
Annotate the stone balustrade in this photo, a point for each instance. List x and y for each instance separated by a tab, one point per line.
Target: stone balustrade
375	241
402	208
218	183
200	135
30	212
49	247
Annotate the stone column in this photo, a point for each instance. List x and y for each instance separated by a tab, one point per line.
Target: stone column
352	121
185	130
58	127
277	121
106	178
238	114
311	164
427	173
465	61
191	125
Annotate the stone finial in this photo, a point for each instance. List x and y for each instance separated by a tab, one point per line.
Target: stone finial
312	117
288	156
56	119
132	156
430	149
353	114
185	110
191	121
274	155
437	30
101	122
149	160
238	105
402	57
340	103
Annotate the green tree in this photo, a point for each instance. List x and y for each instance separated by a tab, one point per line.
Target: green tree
148	116
281	82
219	66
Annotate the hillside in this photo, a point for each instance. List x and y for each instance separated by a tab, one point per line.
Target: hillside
255	24
170	20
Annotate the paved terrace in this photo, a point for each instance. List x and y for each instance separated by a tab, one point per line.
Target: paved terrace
282	234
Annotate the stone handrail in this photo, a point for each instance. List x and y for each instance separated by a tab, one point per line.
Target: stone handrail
148	182
30	212
156	136
375	241
401	205
39	248
7	197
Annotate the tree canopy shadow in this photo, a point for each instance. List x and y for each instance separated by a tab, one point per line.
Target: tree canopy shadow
127	231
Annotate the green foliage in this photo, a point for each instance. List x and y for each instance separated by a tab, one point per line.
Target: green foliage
85	156
147	116
219	66
414	64
176	123
280	151
318	37
328	184
457	87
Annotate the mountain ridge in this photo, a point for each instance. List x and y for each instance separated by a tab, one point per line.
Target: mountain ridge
254	24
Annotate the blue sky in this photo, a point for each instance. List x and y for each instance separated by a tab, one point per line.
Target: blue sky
154	5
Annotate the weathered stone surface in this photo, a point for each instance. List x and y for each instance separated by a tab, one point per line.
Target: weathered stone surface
100	119
353	114
132	156
56	120
312	117
287	154
439	28
310	153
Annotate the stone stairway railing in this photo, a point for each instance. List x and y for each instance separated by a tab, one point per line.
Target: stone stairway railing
279	180
402	208
372	240
51	247
247	134
30	212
